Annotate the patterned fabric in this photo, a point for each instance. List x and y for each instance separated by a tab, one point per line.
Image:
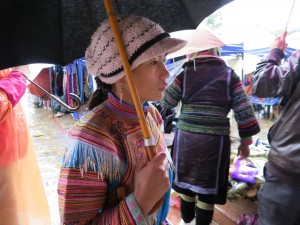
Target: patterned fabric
208	113
206	119
173	93
243	111
208	90
103	149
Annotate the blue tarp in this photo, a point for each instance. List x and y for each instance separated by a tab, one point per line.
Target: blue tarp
234	49
289	51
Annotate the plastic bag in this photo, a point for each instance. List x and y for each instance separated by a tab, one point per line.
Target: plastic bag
248	219
243	170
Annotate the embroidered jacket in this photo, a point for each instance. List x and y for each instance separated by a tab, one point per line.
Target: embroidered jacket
103	149
208	90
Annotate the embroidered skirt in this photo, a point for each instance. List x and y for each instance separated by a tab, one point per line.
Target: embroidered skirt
202	163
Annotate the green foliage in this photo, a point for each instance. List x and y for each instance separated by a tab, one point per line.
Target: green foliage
214	21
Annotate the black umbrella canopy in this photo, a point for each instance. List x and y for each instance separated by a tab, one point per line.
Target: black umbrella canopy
58	31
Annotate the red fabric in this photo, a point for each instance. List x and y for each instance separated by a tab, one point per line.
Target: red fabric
43	80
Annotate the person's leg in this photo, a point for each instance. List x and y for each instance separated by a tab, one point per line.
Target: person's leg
204	213
55	108
45	103
62	109
278	202
49	103
187	207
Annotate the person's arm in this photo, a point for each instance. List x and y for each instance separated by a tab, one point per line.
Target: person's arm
5	106
12	88
270	79
244	115
82	198
83	195
173	94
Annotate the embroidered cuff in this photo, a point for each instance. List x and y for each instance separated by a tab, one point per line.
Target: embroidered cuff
135	210
246	141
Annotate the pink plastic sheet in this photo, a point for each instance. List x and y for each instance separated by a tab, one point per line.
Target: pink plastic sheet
22	196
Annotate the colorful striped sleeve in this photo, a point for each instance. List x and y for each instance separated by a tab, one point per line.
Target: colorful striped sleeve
243	110
82	199
173	93
83	189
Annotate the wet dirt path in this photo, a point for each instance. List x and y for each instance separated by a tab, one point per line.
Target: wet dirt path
48	136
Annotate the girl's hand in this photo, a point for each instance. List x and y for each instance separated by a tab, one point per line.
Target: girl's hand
151	182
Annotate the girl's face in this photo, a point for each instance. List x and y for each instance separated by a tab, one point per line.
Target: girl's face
150	79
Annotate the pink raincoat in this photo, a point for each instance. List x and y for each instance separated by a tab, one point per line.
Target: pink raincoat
22	196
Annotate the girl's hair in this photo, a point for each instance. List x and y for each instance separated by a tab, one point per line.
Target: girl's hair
100	95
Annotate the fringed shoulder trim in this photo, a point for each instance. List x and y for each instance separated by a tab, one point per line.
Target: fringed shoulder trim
87	157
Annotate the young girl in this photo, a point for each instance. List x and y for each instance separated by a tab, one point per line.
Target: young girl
105	148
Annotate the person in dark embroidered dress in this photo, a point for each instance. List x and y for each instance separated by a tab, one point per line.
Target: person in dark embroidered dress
208	89
105	148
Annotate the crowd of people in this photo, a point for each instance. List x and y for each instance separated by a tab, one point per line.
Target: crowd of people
107	177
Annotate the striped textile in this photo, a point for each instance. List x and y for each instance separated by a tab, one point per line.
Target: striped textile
103	148
208	89
208	112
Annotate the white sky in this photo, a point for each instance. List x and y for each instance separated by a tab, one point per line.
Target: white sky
36	68
271	14
250	21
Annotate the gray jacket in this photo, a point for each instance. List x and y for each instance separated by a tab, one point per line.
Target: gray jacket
274	80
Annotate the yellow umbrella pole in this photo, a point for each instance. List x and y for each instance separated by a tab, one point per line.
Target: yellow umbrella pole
148	139
149	142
